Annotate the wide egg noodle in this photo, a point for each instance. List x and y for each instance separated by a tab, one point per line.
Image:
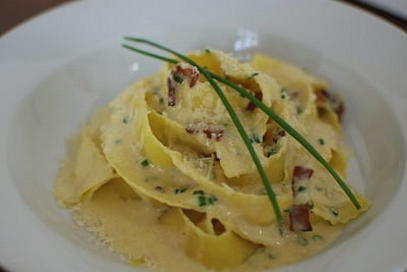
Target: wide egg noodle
215	251
83	172
124	158
135	160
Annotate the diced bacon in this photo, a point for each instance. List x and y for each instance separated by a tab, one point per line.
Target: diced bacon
299	218
171	92
337	105
251	106
183	71
192	129
281	133
301	175
215	133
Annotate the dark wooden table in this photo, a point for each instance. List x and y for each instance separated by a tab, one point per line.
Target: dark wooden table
14	12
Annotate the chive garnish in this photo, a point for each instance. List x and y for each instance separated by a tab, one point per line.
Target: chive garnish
334	211
255	139
178	79
299	109
288	210
253	75
243	92
201	201
207	50
321	141
317	237
283	93
126	120
179	190
302	240
301	189
198	192
236	121
161	100
144	163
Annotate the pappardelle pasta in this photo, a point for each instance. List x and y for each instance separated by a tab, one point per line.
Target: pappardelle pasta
162	177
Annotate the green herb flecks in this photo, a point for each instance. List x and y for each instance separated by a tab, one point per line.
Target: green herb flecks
126	120
255	138
253	75
271	256
321	141
299	109
206	200
301	189
178	79
198	192
144	163
317	238
290	130
180	190
334	212
301	240
283	93
161	100
207	50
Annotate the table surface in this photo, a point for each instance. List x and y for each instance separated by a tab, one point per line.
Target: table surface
14	12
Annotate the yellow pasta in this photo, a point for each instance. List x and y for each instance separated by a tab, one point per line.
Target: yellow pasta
162	176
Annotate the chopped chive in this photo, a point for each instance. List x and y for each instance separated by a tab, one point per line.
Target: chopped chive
317	238
234	118
271	153
178	79
179	190
334	212
271	256
126	120
288	210
302	240
299	109
161	100
283	93
207	50
301	189
201	201
255	139
198	192
144	163
212	199
253	75
321	141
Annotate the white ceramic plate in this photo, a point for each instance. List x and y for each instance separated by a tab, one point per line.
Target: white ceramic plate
57	68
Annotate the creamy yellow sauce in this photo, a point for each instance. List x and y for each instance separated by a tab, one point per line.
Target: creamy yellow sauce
163	178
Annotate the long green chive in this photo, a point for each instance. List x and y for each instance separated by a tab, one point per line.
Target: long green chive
243	92
237	123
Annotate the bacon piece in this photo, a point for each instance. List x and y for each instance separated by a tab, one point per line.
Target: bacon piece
300	175
213	133
251	106
185	72
191	129
281	133
299	218
171	91
337	105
